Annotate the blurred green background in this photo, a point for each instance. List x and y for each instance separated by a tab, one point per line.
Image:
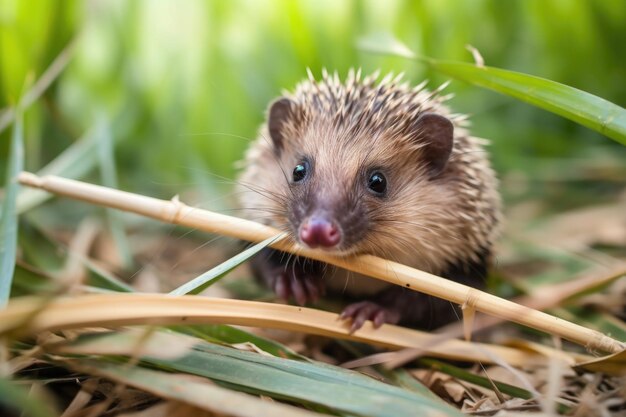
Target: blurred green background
182	86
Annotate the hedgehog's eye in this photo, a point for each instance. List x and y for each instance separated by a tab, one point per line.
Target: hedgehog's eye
299	172
377	183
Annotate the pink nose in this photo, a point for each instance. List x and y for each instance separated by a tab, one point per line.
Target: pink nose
319	232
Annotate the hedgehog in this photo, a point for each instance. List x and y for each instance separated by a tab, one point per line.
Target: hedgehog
371	167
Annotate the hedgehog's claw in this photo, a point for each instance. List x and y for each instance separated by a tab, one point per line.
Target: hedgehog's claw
304	288
282	287
362	311
298	290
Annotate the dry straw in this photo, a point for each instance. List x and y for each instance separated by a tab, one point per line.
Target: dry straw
33	316
177	212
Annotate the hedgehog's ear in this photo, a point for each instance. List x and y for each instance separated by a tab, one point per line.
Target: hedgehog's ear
280	112
436	135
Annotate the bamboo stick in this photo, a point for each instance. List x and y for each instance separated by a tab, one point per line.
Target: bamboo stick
33	315
177	212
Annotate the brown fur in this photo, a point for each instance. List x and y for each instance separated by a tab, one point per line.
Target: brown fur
348	127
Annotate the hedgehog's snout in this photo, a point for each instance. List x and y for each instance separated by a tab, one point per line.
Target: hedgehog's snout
320	231
327	217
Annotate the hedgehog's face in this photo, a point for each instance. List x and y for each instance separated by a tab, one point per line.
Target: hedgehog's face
345	186
330	203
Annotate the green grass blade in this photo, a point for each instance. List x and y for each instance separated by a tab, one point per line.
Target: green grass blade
17	399
43	251
597	320
43	83
28	281
579	106
202	394
574	104
404	379
8	222
338	389
221	333
385	43
484	382
109	179
210	277
101	278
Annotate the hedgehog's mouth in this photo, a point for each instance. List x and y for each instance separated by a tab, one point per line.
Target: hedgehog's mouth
340	252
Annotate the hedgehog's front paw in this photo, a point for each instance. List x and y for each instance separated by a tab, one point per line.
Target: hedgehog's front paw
369	310
303	287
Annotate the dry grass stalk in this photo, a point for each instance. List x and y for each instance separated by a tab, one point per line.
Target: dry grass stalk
177	212
30	316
